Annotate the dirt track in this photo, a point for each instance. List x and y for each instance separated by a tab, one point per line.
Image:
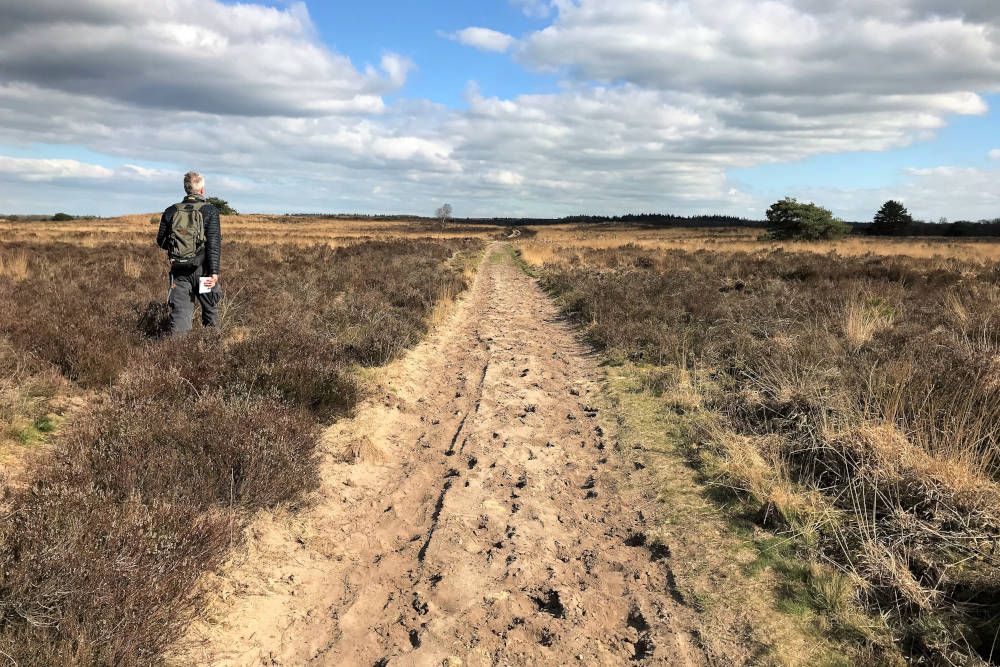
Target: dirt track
482	523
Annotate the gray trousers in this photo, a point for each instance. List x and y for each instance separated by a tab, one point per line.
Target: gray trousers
183	293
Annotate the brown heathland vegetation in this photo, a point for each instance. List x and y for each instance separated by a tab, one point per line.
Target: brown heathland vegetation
547	243
105	535
847	401
251	229
813	426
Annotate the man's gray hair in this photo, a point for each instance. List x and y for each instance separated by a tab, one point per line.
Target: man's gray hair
193	182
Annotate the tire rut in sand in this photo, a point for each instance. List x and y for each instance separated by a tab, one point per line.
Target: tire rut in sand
495	531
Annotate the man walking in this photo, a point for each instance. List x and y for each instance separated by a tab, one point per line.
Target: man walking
191	235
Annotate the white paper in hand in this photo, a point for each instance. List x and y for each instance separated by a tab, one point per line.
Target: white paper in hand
202	287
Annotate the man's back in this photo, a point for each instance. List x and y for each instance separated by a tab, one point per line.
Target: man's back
213	232
195	252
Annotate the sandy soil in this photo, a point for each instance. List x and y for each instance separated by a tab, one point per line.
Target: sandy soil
474	513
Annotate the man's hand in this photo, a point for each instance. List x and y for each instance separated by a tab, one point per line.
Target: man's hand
212	280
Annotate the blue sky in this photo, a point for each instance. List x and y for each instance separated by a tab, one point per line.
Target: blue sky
964	141
364	31
503	107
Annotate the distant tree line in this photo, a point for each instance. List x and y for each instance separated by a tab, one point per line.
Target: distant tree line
638	219
786	219
641	219
892	219
957	228
791	219
58	217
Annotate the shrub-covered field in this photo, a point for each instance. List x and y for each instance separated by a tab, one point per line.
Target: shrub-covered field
848	401
151	483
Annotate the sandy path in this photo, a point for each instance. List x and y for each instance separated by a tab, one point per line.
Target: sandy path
482	525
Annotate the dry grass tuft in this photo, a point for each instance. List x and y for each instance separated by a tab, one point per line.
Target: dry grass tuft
890	570
131	267
14	265
864	317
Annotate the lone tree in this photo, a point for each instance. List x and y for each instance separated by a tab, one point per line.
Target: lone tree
443	214
892	218
791	219
223	206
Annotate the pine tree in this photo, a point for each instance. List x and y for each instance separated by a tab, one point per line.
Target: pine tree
892	218
223	206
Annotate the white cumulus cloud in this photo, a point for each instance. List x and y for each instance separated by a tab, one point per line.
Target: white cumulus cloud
653	102
483	39
190	55
48	170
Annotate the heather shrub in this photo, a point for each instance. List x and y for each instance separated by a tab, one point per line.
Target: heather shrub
78	311
152	321
86	579
27	385
191	434
852	400
178	446
70	334
302	367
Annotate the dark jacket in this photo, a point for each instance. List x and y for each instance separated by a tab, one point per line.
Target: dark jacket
213	233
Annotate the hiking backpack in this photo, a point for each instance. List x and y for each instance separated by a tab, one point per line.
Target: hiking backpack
187	234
